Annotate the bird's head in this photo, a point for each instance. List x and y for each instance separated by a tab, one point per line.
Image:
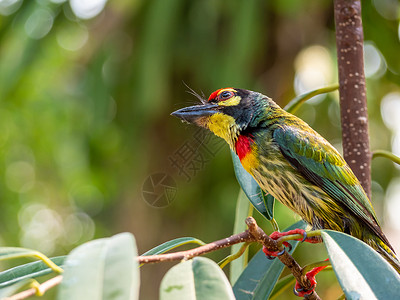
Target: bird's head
226	113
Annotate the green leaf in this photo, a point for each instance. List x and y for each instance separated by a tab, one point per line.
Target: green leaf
237	266
14	252
102	269
30	270
361	271
261	274
167	246
263	204
294	105
13	289
196	279
281	285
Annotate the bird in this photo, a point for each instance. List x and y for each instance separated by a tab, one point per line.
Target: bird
292	162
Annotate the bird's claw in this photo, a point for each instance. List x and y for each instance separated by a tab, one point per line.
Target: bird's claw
301	291
304	235
272	254
287	245
276	235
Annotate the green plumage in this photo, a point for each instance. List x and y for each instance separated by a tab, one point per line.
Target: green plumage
305	172
292	162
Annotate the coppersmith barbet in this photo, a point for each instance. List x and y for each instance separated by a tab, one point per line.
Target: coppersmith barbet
292	162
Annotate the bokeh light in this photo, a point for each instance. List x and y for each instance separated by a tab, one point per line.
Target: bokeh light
390	108
393	203
73	38
8	7
374	63
87	9
314	69
389	9
39	23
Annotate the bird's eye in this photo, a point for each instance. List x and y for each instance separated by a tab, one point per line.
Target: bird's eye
225	95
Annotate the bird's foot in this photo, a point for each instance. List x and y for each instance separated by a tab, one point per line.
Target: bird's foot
273	254
277	235
301	291
314	239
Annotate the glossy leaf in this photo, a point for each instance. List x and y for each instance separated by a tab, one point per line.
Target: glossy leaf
167	246
102	269
361	271
237	266
294	105
281	285
260	276
264	205
30	270
196	279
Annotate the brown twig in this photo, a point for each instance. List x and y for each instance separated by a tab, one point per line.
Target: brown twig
188	254
45	286
253	234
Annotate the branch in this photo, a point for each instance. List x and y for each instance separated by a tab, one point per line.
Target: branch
253	234
353	99
40	290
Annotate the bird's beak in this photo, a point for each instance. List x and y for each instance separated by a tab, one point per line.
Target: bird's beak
195	114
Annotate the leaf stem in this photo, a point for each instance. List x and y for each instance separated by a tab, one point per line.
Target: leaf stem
234	256
294	105
48	262
386	154
274	224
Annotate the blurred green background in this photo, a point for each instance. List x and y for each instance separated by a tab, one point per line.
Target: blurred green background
87	88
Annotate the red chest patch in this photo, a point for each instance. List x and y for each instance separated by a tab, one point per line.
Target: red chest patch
243	145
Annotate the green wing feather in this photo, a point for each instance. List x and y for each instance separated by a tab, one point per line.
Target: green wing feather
320	163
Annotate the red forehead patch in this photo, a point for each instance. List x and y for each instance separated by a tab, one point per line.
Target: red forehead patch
216	93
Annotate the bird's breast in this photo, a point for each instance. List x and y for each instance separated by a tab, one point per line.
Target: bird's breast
247	150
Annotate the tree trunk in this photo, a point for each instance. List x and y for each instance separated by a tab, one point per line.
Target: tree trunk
353	99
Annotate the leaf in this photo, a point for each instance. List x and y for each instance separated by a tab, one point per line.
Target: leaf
167	246
361	271
196	279
14	252
30	270
102	269
281	285
261	274
12	289
264	205
237	266
294	105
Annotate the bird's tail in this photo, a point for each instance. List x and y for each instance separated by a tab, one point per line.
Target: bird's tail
388	254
